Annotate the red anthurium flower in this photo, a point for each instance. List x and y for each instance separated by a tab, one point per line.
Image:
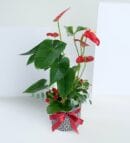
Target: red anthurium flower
89	59
83	44
92	36
80	59
55	34
47	100
60	15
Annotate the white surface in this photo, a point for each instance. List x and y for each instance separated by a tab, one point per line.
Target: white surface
111	75
15	76
24	120
42	12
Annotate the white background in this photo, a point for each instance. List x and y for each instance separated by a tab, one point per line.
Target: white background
112	68
14	74
23	119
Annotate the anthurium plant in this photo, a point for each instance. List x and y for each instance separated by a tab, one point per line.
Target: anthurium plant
66	89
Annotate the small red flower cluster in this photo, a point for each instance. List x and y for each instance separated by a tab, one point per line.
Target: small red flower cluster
55	94
47	100
92	36
55	34
82	59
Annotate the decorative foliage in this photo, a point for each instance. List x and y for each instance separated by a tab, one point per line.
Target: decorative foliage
39	85
69	30
70	90
59	69
65	85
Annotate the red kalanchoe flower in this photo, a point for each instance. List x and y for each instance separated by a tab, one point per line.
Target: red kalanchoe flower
88	59
55	97
47	100
60	15
92	36
55	34
55	91
80	59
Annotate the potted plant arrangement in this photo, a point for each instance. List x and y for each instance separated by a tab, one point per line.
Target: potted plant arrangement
65	90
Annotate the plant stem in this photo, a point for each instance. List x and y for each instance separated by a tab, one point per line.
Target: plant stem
78	70
76	47
58	23
81	39
59	30
83	51
84	67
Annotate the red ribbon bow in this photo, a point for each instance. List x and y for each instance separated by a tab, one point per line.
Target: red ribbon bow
60	117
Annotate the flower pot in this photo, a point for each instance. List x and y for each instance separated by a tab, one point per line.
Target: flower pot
66	121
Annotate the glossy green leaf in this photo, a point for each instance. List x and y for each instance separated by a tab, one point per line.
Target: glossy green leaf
79	96
80	28
67	106
65	85
32	51
69	30
76	68
48	51
54	107
39	85
59	69
31	59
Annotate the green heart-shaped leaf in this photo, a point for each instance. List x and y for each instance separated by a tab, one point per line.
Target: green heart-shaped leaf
69	30
47	52
37	86
65	85
80	28
59	69
54	107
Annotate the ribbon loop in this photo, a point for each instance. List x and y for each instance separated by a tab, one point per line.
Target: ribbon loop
75	121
